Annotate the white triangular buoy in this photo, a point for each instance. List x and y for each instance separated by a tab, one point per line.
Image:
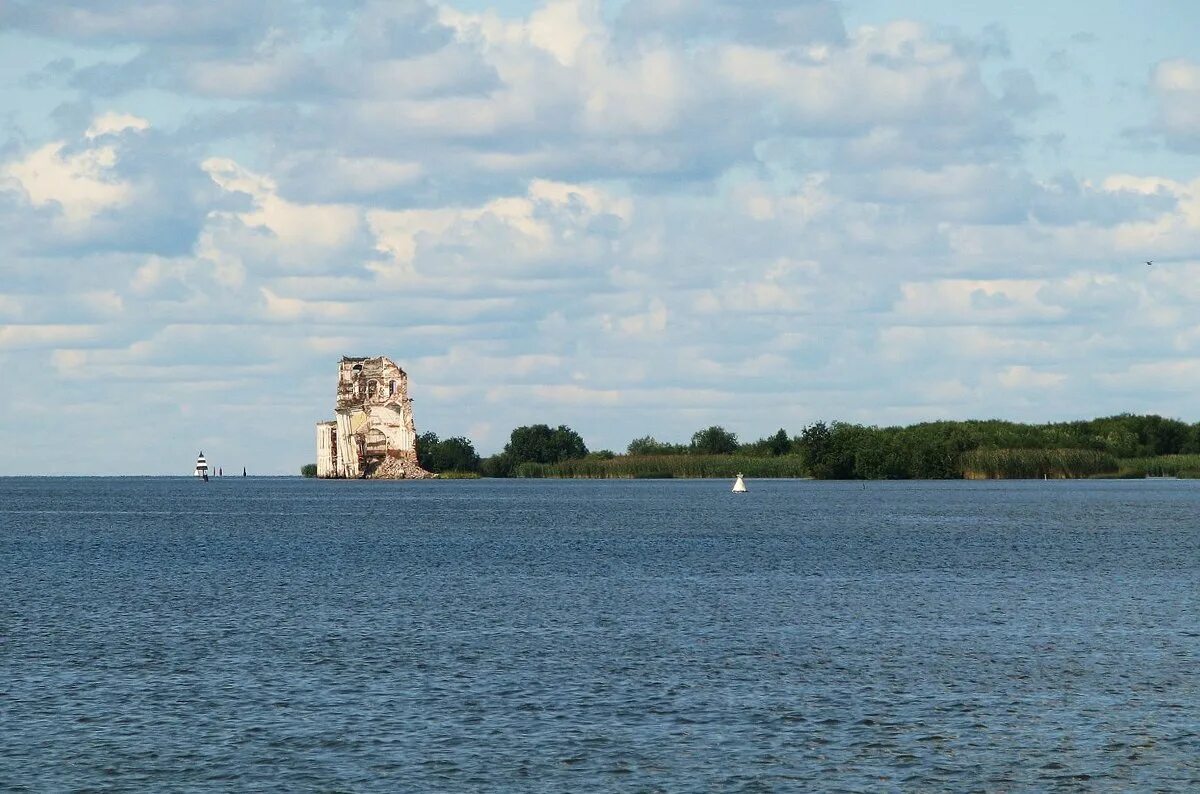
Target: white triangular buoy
740	485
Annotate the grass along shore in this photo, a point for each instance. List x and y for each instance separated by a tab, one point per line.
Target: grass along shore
991	464
632	467
1183	466
1026	464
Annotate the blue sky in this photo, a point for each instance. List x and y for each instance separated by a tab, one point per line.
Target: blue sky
630	217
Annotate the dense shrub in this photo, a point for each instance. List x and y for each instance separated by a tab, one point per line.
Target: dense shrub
446	455
648	445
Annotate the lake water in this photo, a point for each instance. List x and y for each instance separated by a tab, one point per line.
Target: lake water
289	635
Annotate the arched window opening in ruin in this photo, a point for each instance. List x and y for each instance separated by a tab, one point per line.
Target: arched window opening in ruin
391	388
372	388
375	443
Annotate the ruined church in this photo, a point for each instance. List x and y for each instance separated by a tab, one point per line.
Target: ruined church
372	435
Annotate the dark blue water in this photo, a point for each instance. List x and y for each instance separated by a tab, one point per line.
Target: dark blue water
578	636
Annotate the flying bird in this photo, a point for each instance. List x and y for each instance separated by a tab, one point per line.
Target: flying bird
1149	263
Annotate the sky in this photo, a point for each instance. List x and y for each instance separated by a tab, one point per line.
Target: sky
634	218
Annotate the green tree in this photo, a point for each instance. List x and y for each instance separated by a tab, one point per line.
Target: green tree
308	470
829	450
775	445
844	442
880	455
814	445
1192	445
1126	435
648	445
779	444
457	454
426	446
450	454
541	444
714	440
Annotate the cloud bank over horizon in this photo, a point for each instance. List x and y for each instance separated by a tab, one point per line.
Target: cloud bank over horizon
632	218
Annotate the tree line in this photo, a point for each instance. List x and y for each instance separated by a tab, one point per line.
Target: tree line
844	450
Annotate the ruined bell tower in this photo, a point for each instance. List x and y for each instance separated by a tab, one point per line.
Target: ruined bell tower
372	435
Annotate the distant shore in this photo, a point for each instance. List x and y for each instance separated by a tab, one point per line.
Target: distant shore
1121	446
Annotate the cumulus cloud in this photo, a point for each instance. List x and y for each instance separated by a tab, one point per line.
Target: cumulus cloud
79	184
667	90
1176	87
289	232
113	122
118	186
555	231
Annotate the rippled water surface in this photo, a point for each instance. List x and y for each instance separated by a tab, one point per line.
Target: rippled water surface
283	634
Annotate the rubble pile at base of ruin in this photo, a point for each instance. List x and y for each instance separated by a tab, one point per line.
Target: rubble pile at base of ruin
398	469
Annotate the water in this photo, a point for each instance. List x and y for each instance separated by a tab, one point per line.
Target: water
163	634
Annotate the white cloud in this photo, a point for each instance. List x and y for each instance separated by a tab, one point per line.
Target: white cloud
1170	376
1023	378
113	122
538	234
1176	86
564	92
295	309
563	27
41	337
889	74
786	286
651	322
80	184
301	231
555	395
974	302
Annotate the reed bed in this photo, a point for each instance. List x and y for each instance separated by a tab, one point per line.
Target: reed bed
1184	466
1015	464
980	464
628	467
459	475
